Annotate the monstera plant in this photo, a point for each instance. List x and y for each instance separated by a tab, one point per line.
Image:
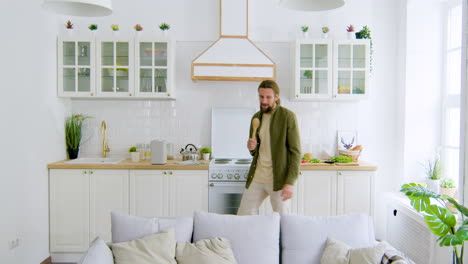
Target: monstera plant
438	217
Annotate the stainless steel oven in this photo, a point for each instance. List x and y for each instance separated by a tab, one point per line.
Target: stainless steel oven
226	179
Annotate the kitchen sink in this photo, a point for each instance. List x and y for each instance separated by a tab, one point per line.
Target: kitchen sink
95	161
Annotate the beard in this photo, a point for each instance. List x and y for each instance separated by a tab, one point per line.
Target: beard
266	110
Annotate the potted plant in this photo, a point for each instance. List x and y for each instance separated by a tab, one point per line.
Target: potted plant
93	27
206	152
73	135
305	31
164	27
69	25
433	172
350	30
114	27
134	154
138	27
325	31
439	219
308	74
365	33
448	187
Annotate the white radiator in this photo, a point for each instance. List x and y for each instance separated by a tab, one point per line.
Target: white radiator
407	232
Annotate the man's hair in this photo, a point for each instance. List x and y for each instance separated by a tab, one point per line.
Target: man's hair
271	85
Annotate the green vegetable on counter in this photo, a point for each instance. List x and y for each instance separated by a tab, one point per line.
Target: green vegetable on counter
315	161
341	159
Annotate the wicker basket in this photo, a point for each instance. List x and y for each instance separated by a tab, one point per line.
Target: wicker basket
354	154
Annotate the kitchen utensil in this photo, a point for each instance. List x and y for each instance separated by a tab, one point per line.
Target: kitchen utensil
255	125
190	152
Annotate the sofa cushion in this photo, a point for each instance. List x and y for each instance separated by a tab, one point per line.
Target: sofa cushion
254	239
127	227
337	252
155	248
206	251
98	252
303	238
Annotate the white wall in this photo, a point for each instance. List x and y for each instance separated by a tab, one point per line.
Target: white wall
31	128
188	119
424	39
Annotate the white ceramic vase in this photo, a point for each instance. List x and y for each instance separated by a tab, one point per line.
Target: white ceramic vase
135	156
206	156
305	35
351	35
433	185
324	35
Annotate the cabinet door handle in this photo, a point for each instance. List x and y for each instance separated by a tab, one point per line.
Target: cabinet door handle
85	172
170	172
211	184
165	173
130	94
90	172
339	173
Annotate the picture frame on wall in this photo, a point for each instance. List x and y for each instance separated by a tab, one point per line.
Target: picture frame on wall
346	139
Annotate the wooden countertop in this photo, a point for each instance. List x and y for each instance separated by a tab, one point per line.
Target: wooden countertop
171	165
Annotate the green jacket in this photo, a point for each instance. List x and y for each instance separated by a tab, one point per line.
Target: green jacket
285	148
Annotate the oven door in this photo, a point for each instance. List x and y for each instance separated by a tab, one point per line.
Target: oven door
225	197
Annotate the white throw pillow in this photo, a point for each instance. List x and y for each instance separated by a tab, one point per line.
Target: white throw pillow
254	239
127	227
303	238
206	251
337	252
98	252
155	248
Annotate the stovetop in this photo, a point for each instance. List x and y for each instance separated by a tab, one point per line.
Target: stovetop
229	169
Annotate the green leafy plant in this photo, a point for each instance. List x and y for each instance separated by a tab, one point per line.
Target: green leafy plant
205	150
73	126
138	27
341	159
433	169
164	26
364	33
448	183
69	25
93	27
304	28
308	74
132	149
438	217
325	30
114	27
350	28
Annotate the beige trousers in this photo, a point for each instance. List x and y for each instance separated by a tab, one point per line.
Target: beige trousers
254	196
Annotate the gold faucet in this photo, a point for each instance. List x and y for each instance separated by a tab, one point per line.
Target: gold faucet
105	147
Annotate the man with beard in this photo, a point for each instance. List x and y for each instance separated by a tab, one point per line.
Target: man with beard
276	151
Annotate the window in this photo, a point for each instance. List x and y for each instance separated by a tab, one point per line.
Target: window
451	91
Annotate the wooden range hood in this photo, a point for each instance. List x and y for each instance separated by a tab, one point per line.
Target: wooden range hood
233	56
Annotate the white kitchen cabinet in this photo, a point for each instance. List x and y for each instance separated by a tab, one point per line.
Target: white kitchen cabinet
331	70
75	66
108	192
188	192
168	192
80	204
149	193
355	193
115	68
317	193
312	69
69	210
154	68
351	69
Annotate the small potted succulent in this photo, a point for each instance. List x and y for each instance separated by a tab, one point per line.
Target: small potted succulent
164	28
206	152
134	154
138	28
350	30
69	27
114	27
305	31
93	27
325	31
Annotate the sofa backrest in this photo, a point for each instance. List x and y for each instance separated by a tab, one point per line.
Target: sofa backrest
303	238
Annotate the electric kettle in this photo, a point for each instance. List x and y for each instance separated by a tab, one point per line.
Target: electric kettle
190	152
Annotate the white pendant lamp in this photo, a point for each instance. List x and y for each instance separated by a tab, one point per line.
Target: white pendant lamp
87	8
312	5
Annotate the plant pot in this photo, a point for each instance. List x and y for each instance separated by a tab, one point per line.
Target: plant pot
305	35
450	192
358	35
324	35
433	185
73	153
206	156
351	35
135	156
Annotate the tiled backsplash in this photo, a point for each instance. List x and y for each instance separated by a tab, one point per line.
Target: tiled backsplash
188	119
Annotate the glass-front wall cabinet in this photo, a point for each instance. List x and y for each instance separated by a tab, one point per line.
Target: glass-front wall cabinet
115	68
352	66
326	69
153	67
75	67
313	75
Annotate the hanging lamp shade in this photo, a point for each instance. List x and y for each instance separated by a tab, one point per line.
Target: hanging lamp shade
87	8
312	5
